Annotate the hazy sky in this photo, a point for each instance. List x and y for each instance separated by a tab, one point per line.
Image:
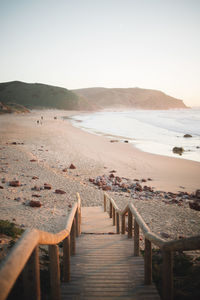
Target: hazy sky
112	43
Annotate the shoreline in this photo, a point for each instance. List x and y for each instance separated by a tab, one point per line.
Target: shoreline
147	135
51	147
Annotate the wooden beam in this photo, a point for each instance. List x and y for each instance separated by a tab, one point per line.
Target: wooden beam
117	223
123	223
104	197
54	272
31	277
167	276
110	209
77	222
73	238
130	225
66	259
136	239
113	216
148	262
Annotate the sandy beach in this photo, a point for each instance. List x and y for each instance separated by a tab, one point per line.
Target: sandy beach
35	154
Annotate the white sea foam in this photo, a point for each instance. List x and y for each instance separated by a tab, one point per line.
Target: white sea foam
154	131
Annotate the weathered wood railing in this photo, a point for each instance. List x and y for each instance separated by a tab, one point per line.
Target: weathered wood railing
24	257
167	247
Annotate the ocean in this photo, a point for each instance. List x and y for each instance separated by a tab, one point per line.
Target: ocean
154	131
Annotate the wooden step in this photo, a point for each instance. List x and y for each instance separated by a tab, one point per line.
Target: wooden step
104	266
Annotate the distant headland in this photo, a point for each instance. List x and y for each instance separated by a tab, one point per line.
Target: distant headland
26	96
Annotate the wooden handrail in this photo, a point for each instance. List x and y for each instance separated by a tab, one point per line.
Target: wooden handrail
191	243
167	247
14	263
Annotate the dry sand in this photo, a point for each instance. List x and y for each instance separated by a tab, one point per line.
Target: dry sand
54	145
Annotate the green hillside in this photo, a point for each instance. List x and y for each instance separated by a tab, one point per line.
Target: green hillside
37	95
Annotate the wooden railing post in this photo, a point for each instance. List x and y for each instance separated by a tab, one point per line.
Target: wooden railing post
148	262
54	272
79	216
31	277
77	222
136	239
123	223
130	224
110	209
117	223
167	276
104	202
113	216
73	238
66	259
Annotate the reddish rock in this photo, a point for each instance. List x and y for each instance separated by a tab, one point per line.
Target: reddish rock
194	205
14	183
37	196
91	180
113	171
124	186
117	178
33	160
35	178
47	186
72	166
1	187
64	170
33	203
60	192
107	188
69	205
144	180
197	194
36	188
111	175
138	189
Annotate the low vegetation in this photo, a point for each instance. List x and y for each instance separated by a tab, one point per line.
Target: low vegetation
10	229
186	273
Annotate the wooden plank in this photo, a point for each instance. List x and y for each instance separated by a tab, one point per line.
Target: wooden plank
113	216
136	239
73	238
54	272
105	202
130	225
31	277
117	223
104	266
66	259
123	223
111	209
167	276
96	215
148	262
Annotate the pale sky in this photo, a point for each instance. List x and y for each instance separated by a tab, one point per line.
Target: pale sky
110	43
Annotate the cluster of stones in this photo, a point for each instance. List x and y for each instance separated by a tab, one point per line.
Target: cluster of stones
33	203
120	184
137	190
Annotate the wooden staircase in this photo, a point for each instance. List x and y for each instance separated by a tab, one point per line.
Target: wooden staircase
104	266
